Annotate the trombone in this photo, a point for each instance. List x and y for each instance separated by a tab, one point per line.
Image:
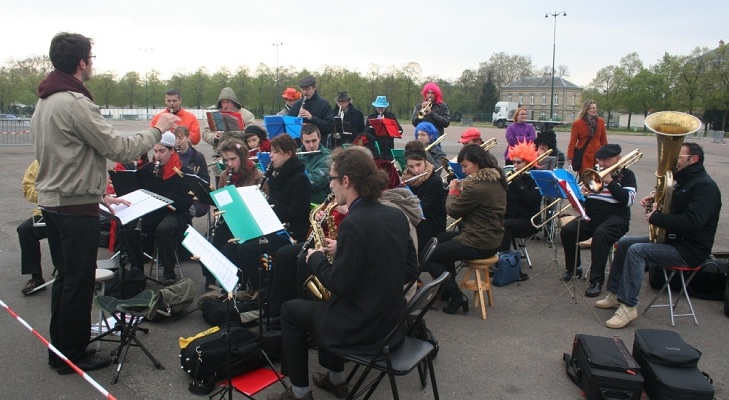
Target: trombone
435	142
487	145
592	182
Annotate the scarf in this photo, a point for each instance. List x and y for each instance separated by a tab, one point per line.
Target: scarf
243	177
58	81
417	182
168	170
592	124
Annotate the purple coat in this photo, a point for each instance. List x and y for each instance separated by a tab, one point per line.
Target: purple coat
518	132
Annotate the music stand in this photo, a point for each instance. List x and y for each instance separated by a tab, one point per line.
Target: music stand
385	127
562	185
278	124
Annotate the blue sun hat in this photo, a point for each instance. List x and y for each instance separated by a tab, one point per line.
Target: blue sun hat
381	101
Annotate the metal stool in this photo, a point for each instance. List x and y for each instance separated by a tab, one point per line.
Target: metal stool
480	284
102	275
666	286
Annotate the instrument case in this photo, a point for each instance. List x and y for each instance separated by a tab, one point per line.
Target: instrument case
669	366
604	368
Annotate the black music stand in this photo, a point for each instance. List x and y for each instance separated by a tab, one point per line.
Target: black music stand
562	185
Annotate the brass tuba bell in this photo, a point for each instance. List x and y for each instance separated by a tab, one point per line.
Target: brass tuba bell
670	127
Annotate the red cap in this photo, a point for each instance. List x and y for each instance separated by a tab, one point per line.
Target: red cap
470	134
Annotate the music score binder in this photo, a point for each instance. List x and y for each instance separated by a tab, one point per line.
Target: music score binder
278	124
399	156
385	127
225	272
225	121
142	202
457	169
246	211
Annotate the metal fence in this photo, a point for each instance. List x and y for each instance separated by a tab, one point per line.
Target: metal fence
15	132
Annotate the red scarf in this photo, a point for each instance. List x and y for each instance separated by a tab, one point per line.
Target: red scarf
168	170
58	81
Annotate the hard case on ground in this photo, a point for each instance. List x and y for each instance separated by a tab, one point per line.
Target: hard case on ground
669	366
604	368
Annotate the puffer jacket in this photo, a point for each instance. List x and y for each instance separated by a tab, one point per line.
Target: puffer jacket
482	205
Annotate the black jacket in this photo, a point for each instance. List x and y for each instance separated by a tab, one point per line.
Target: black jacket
321	114
439	116
387	142
432	197
289	192
523	199
695	207
615	198
353	123
366	279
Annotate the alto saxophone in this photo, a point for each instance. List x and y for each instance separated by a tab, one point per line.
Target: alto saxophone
317	236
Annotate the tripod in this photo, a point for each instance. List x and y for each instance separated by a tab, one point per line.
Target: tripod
263	277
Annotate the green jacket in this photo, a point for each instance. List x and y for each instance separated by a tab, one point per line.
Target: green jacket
482	205
317	169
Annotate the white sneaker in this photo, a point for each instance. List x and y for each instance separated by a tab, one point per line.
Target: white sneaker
622	317
611	301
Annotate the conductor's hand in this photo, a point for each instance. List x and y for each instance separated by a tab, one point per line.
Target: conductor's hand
109	201
303	113
167	121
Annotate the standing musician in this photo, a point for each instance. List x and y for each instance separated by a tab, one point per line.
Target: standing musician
690	228
387	142
165	224
373	249
587	136
314	108
173	102
427	133
352	118
523	199
480	200
421	180
432	109
609	213
289	193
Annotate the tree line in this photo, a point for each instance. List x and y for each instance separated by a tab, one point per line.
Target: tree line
697	83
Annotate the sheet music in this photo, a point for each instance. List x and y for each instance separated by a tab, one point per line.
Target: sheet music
224	271
142	202
261	210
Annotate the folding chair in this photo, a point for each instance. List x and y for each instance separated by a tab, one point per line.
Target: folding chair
692	271
128	315
409	354
520	244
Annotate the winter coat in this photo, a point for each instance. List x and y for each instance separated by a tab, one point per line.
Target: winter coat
289	193
439	115
580	132
482	205
317	169
432	197
321	114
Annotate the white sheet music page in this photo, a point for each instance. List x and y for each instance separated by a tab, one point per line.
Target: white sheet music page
225	271
142	202
260	209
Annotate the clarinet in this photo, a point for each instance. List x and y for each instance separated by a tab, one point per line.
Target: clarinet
155	171
217	222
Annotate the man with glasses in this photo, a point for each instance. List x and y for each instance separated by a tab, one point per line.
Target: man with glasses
690	227
71	182
609	219
173	104
314	109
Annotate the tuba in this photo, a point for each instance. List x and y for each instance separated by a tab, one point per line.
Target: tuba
670	127
317	236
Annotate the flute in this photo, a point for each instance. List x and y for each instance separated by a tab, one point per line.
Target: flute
413	178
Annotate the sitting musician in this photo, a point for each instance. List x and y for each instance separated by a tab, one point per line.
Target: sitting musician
471	136
256	138
239	171
194	161
289	193
368	141
416	145
523	199
421	180
372	252
609	213
426	133
352	120
166	224
387	142
480	200
432	109
317	162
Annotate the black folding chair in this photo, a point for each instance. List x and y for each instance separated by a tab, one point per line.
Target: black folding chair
402	359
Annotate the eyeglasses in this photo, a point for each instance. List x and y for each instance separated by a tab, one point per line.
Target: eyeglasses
685	155
94	56
331	178
518	161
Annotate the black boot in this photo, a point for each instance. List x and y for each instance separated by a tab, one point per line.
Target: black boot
458	300
594	289
567	276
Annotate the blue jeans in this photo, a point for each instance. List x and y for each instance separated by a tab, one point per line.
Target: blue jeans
634	253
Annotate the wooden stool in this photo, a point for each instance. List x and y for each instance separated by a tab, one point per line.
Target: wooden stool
480	284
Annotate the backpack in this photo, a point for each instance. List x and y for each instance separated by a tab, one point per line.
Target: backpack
171	300
134	283
217	310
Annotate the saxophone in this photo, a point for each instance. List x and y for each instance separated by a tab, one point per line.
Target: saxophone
317	236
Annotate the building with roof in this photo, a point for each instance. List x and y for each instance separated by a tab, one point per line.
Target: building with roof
534	92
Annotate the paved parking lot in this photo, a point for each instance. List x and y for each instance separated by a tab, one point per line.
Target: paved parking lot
515	354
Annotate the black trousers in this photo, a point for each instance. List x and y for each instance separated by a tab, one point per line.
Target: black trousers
73	290
445	255
247	256
516	228
166	233
604	233
289	274
297	321
29	237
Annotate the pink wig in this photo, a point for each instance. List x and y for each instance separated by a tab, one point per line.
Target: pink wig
432	86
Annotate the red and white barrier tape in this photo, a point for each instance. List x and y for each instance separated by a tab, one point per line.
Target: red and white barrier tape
78	370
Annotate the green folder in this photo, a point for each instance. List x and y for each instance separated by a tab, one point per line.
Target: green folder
399	156
246	211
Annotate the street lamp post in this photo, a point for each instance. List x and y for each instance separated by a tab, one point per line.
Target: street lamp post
554	48
276	89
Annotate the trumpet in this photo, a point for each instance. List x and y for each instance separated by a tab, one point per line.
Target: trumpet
435	142
592	182
425	109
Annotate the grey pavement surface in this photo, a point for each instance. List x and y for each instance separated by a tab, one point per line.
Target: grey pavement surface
515	354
